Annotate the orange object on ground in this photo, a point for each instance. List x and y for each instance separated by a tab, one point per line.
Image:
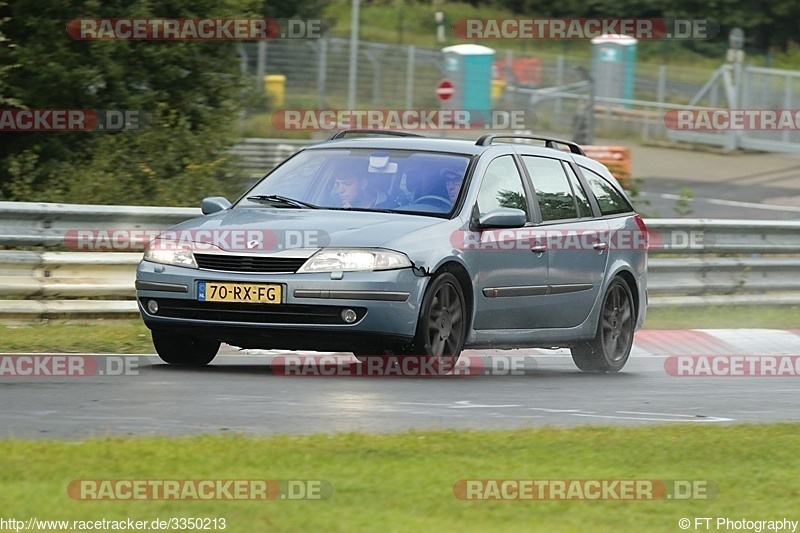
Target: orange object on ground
525	71
616	158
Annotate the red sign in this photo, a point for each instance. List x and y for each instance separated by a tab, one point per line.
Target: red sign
445	90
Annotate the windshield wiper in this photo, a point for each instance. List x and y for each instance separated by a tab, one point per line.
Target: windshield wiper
363	209
281	200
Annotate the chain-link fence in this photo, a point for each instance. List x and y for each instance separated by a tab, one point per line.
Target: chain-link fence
556	88
317	73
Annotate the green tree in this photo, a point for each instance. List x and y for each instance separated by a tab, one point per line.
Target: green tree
512	199
5	66
191	91
767	23
296	8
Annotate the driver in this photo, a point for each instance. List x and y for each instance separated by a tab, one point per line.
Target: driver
354	190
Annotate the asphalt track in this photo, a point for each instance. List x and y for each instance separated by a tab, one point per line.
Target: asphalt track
742	185
245	392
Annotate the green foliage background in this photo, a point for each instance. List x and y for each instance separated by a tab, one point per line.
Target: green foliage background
191	93
767	24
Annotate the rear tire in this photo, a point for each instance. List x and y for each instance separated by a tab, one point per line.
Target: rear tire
184	350
611	346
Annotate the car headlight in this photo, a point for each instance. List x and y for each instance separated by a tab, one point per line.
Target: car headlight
169	252
354	260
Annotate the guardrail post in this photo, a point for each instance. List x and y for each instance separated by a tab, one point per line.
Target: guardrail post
322	72
559	83
410	78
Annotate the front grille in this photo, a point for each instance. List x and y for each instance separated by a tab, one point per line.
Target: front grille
248	263
253	313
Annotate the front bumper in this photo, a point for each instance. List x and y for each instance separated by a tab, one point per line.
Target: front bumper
309	317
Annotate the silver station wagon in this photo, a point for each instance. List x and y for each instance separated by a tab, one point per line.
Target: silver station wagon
399	244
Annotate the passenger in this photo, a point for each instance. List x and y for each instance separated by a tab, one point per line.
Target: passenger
452	181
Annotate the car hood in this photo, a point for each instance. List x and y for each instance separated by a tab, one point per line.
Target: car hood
280	229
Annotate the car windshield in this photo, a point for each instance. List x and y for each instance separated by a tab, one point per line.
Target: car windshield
403	181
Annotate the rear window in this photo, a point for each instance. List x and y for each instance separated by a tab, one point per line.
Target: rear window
553	191
584	208
610	200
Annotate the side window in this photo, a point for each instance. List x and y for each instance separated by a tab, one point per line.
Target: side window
584	208
611	202
502	187
553	191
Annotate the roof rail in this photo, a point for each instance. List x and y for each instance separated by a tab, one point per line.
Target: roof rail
549	142
341	134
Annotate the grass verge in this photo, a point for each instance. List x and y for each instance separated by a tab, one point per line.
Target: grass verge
131	336
101	336
721	317
404	482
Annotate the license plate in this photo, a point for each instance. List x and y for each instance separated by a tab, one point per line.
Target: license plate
212	291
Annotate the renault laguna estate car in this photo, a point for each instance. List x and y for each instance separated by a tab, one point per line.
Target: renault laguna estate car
391	243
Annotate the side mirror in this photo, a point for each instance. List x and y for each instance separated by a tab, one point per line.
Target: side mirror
214	204
504	217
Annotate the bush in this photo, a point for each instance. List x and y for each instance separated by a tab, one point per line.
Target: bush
191	92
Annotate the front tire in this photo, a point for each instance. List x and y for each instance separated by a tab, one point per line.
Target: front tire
184	350
442	325
611	346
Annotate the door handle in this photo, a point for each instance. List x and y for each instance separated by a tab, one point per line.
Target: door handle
538	248
600	245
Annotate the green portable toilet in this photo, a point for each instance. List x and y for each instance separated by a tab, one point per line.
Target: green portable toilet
613	65
469	67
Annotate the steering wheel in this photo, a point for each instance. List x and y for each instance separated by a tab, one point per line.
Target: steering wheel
441	200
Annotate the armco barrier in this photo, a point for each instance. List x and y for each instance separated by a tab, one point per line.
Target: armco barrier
67	274
46	224
695	262
255	157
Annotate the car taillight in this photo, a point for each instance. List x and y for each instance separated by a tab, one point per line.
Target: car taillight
643	228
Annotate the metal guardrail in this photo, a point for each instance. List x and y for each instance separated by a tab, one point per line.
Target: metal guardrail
67	274
255	157
692	261
46	224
